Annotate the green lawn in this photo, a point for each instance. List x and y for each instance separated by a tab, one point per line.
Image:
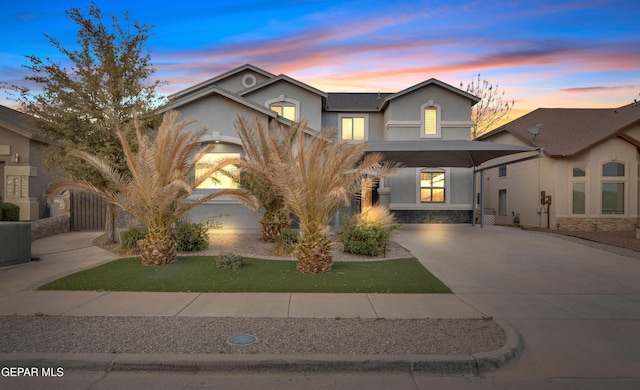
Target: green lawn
200	274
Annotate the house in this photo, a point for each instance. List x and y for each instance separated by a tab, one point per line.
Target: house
428	112
587	179
23	179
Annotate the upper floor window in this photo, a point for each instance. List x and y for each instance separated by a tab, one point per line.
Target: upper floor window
353	128
430	121
286	110
285	107
430	116
432	187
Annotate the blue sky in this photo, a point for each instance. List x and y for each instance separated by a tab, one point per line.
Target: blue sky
583	53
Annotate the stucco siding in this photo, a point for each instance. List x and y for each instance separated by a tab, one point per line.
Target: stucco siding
461	186
403	186
234	83
217	114
310	103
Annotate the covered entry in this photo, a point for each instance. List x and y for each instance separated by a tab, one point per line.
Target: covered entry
453	154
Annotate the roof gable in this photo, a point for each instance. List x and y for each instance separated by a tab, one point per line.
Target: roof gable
217	79
570	131
431	81
287	79
214	90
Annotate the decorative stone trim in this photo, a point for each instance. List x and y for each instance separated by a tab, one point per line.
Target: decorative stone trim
432	216
46	227
597	224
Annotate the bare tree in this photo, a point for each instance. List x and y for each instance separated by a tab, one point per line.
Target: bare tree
491	108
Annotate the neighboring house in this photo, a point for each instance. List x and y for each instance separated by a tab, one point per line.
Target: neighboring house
23	179
589	172
430	111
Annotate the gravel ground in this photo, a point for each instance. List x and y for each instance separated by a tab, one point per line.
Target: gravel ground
251	245
186	335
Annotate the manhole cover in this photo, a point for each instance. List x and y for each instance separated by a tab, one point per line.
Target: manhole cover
242	339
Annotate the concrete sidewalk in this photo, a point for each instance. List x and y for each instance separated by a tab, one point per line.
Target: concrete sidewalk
71	252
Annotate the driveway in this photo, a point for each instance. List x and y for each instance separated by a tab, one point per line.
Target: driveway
576	307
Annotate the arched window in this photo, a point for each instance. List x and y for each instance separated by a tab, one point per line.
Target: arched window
285	107
430	118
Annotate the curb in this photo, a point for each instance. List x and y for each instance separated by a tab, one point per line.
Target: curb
445	365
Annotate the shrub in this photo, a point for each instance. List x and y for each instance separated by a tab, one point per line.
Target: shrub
230	261
286	242
9	212
367	233
131	236
191	237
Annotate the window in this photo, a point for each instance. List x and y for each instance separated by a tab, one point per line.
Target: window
286	110
353	128
613	188
430	116
612	169
579	190
432	186
502	170
502	202
430	121
249	80
218	180
579	171
612	198
579	198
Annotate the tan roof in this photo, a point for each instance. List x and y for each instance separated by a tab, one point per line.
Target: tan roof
570	131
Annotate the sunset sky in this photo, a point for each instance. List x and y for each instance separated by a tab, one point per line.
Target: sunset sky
583	53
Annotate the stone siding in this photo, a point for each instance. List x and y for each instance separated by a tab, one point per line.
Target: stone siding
432	216
597	224
49	226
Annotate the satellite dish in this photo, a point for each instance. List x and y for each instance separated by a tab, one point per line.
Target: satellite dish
535	130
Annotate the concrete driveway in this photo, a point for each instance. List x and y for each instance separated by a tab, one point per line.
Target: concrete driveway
576	307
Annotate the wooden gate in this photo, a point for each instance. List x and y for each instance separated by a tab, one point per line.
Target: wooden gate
88	212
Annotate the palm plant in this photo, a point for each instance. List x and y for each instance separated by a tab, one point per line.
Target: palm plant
158	192
257	172
316	177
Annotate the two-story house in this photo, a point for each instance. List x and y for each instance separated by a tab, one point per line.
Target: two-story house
428	112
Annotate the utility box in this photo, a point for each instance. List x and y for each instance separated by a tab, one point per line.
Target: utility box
15	243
